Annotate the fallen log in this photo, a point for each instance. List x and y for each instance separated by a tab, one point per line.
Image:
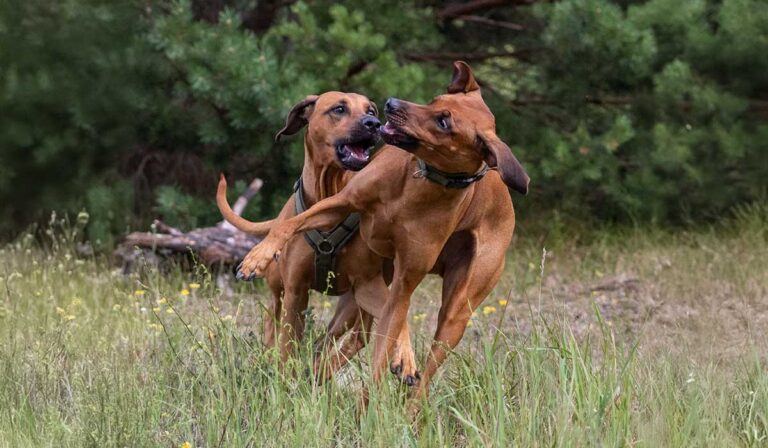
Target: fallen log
219	245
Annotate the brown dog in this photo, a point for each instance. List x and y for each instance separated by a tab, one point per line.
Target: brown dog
419	206
342	127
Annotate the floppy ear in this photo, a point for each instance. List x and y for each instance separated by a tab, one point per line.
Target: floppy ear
498	155
463	80
297	117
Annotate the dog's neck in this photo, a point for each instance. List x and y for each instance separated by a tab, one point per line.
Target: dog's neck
320	180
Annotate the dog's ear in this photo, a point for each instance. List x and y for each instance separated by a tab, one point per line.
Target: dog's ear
297	117
463	80
498	155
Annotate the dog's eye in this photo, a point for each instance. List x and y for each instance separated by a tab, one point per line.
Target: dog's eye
372	112
443	122
339	109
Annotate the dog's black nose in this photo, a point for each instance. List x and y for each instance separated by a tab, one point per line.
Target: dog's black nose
371	122
391	105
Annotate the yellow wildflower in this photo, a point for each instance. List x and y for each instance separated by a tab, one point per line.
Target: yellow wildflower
69	317
185	445
194	286
139	292
184	292
227	317
162	301
503	302
418	317
326	304
156	309
60	310
469	324
489	310
76	301
116	307
169	311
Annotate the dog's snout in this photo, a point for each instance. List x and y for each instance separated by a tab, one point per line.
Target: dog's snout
371	122
392	105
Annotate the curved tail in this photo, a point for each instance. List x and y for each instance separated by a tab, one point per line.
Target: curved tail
240	223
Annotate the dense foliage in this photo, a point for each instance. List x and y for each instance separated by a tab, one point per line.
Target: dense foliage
651	111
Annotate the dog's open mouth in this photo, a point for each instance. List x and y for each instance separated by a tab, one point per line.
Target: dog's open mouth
393	135
354	155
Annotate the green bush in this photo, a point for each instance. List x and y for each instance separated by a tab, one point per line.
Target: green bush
109	211
650	111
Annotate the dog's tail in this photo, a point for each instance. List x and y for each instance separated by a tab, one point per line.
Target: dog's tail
240	223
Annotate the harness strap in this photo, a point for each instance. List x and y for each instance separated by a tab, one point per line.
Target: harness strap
326	244
450	180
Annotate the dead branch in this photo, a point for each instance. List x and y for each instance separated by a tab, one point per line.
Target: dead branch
522	54
490	22
220	244
466	8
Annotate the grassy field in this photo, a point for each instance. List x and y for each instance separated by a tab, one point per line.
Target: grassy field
621	338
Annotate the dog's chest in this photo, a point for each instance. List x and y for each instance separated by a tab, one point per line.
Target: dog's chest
377	231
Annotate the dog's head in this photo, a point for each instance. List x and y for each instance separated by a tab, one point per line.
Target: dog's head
342	128
456	132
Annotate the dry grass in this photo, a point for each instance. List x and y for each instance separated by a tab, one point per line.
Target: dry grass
640	337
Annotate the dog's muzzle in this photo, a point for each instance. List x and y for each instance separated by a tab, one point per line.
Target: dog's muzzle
354	156
392	132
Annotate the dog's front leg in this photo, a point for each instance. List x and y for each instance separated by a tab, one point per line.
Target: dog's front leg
393	317
350	325
323	215
372	296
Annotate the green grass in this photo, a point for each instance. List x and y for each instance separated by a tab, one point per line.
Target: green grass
639	338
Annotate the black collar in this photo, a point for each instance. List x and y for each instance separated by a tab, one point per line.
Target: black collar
450	180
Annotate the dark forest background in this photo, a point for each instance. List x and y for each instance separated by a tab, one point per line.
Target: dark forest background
638	112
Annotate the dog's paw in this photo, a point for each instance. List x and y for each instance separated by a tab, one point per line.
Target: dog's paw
403	366
257	261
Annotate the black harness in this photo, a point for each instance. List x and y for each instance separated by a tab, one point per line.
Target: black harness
450	180
326	245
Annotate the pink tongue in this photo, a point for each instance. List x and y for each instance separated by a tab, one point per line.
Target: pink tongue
357	152
388	128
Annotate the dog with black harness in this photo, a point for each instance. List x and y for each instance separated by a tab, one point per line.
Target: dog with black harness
342	129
